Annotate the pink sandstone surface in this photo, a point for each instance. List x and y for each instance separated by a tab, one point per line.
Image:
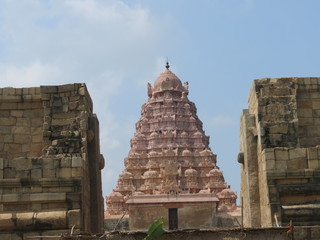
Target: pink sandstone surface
170	152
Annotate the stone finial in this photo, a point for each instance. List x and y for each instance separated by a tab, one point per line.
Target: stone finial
167	65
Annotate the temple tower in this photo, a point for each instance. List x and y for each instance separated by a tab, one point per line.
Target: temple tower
170	153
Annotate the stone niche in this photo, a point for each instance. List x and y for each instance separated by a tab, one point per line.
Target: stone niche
280	157
50	161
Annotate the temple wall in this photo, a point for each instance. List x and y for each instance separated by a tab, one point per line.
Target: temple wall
280	146
141	216
192	213
197	216
50	160
115	224
280	233
21	120
189	215
308	102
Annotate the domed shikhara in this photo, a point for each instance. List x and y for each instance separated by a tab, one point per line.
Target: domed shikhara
125	175
150	174
168	81
215	172
227	194
116	203
169	151
191	172
115	197
227	199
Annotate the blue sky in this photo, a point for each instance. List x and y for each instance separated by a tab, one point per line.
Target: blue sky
116	47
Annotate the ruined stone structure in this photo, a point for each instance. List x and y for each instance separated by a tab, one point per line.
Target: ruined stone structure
274	233
50	162
280	153
170	170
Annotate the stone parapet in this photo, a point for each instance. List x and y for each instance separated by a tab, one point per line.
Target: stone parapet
275	233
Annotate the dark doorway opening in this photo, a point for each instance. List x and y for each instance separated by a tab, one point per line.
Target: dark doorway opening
173	218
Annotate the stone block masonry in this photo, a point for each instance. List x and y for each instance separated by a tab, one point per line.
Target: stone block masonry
280	160
275	233
50	161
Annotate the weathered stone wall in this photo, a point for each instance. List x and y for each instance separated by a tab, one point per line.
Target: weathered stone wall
299	233
141	216
249	174
21	120
50	160
117	224
280	174
308	102
194	211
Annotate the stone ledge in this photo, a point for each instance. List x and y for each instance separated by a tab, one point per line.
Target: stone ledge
34	197
19	98
40	220
302	173
43	182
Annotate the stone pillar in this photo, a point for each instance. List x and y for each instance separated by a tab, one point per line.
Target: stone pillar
249	171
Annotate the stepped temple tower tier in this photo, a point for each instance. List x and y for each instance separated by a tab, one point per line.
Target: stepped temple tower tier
170	153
